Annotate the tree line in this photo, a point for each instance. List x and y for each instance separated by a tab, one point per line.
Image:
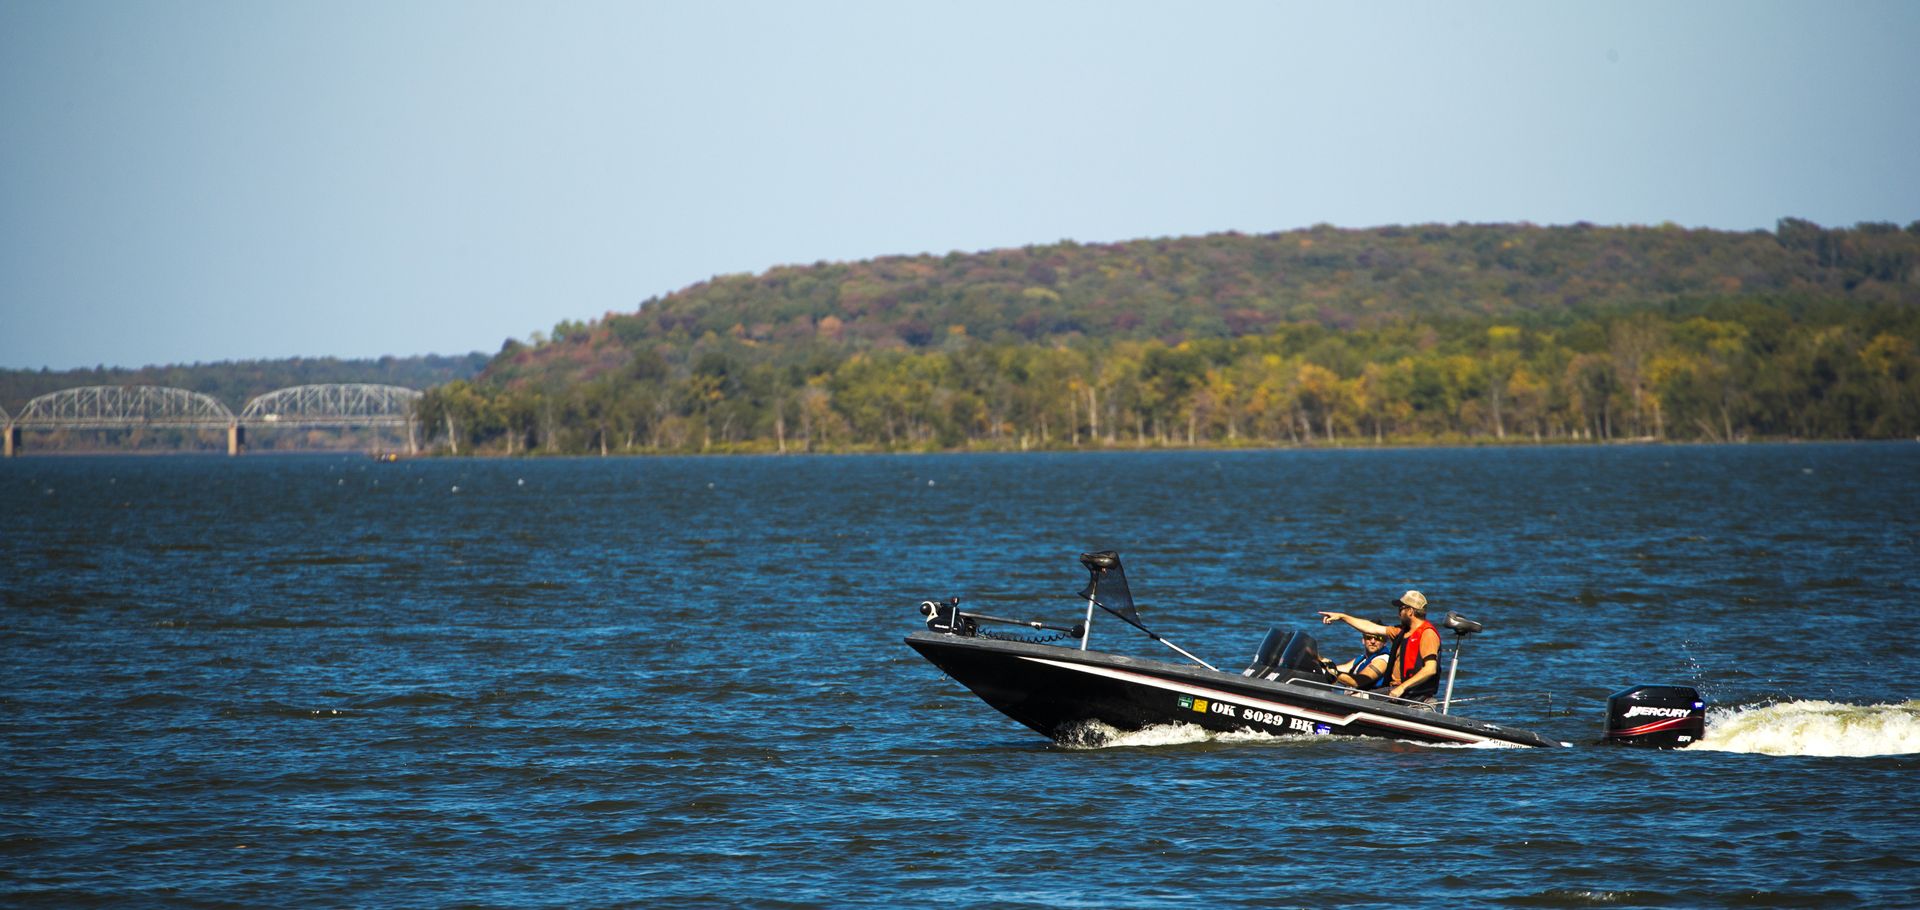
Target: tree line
1232	285
1722	370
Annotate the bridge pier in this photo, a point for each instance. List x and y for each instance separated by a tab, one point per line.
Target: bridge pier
236	438
13	440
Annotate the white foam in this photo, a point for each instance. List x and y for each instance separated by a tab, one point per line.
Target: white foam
1821	728
1097	735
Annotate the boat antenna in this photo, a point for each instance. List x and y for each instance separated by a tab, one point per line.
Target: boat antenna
1106	579
1462	627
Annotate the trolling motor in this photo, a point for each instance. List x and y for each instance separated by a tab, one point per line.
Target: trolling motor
1461	628
946	616
1106	589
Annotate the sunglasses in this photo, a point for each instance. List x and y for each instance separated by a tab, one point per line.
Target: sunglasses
1373	638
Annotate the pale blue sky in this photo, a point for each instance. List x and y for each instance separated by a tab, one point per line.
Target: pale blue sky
194	181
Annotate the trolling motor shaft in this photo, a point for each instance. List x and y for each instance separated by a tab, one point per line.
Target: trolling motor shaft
946	616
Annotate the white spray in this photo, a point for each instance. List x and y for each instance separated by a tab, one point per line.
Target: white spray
1815	728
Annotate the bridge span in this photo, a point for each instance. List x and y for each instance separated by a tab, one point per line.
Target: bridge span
334	405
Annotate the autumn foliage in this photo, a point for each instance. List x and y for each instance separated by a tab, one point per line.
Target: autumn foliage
1400	334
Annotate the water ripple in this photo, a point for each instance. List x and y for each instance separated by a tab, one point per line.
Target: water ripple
605	683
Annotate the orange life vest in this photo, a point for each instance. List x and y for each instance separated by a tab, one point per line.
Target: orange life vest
1409	656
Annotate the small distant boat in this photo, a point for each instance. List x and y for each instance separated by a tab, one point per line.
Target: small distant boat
386	456
1076	695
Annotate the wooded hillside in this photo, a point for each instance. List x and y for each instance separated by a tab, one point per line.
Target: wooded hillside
1391	334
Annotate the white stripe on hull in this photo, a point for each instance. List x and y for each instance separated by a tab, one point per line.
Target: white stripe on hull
1222	695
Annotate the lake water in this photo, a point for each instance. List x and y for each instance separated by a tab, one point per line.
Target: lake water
322	681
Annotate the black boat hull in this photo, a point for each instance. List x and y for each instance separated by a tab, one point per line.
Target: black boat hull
1064	694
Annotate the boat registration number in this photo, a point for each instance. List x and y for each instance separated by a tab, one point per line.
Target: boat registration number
1293	724
1252	715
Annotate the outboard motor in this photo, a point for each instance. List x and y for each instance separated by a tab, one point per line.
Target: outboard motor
945	616
1284	650
1659	717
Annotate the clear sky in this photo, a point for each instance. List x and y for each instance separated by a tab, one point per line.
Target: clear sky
184	180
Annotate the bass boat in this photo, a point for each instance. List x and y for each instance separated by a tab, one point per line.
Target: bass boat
1059	687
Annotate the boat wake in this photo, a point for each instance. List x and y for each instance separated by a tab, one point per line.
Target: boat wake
1819	728
1098	735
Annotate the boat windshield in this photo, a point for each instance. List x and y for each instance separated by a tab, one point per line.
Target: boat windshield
1284	649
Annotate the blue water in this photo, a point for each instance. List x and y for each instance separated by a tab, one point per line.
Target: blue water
322	681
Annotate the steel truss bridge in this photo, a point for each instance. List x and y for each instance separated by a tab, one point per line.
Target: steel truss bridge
343	406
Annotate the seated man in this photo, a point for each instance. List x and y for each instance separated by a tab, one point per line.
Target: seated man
1369	670
1415	671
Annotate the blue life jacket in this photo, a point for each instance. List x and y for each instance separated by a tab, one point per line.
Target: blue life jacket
1361	662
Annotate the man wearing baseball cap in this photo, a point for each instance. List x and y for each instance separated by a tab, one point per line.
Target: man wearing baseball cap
1415	671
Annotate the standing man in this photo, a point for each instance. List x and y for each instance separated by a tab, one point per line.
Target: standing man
1415	671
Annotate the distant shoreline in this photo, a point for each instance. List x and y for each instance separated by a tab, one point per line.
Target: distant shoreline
1282	447
752	452
757	452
